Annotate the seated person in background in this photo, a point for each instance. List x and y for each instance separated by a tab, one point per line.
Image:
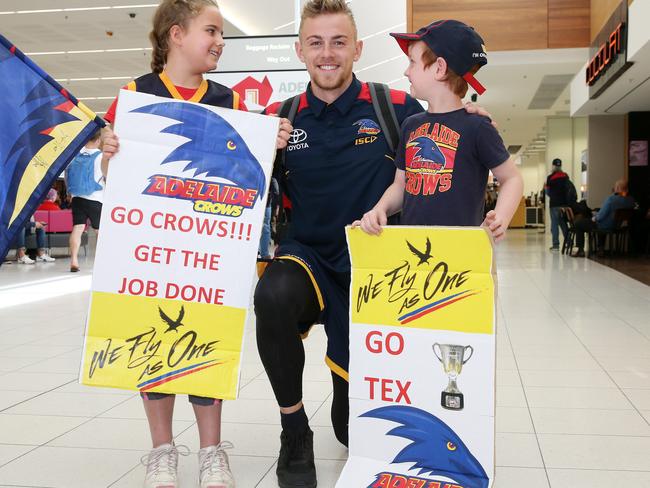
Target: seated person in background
41	255
581	210
50	201
604	219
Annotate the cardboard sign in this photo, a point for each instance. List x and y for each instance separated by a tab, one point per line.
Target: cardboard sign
180	226
422	359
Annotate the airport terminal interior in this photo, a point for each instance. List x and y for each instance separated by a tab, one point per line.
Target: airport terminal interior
568	85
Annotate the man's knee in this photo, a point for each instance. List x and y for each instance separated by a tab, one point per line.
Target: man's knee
272	296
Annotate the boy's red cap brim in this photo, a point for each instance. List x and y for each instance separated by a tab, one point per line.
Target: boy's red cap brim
404	40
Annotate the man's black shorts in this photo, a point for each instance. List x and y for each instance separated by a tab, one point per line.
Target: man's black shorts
83	209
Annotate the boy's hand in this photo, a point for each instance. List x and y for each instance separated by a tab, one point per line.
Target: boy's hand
283	134
477	109
494	224
110	143
372	221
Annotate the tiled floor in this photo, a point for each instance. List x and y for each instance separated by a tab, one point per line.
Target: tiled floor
573	385
636	266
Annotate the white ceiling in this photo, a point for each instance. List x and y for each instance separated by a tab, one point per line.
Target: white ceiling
511	78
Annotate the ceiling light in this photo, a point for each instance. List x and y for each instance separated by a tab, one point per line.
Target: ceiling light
284	25
104	78
43	11
91	51
83	9
118	77
396	80
392	28
77	9
46	53
123	50
142	5
96	98
401	56
82	79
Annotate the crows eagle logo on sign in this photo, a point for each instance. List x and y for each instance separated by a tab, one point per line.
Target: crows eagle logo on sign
214	147
435	449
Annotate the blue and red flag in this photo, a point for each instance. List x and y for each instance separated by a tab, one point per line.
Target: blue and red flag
42	127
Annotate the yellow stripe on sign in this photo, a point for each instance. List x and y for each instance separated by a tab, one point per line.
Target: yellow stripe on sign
423	277
63	135
163	345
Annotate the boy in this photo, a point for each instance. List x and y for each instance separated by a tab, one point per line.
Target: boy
445	153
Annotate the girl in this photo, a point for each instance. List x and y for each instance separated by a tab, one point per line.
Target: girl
187	40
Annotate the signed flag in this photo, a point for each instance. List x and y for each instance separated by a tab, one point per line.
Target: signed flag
181	223
42	127
422	359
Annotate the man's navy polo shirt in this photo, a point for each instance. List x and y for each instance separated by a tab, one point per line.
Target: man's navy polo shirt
339	165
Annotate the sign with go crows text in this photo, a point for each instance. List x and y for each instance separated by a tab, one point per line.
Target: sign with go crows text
181	222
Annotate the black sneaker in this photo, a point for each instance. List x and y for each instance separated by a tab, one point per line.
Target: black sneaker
296	467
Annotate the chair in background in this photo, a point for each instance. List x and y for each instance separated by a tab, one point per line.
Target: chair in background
615	240
58	229
566	214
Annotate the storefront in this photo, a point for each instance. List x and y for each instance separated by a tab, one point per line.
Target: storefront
613	91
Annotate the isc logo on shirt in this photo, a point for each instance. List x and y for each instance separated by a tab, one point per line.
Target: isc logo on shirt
368	129
365	140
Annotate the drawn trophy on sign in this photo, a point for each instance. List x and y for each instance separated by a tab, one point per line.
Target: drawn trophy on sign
452	357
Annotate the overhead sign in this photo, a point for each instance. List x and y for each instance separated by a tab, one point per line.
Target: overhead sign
262	70
264	53
260	89
608	58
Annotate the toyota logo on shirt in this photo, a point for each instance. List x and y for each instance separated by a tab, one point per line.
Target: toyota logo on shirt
297	136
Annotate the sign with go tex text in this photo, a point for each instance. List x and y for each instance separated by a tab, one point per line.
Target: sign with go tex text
422	359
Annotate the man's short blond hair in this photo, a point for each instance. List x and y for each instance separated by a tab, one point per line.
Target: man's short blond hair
314	8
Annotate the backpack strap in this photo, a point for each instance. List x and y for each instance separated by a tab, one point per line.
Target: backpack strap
287	110
385	112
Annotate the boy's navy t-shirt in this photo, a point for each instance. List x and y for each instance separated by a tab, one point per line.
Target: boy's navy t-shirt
447	157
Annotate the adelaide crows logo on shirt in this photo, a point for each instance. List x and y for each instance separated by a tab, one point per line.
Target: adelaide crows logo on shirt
430	153
368	130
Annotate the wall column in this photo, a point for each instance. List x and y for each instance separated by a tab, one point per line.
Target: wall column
607	156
